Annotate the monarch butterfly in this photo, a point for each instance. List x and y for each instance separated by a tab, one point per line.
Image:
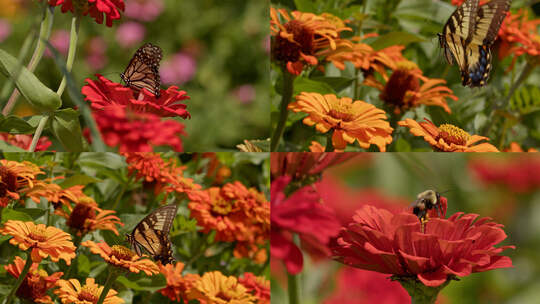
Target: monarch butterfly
152	234
468	35
143	69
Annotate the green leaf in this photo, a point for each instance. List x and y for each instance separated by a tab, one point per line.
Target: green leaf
34	213
10	214
337	83
36	93
393	38
402	145
66	128
15	125
303	84
305	6
102	160
78	179
151	284
83	264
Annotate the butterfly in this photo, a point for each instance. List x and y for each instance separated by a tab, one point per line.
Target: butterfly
152	234
468	35
143	69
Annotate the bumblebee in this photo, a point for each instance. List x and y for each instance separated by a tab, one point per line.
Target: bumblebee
426	201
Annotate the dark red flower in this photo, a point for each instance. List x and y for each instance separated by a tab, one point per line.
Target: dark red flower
24	141
104	93
137	132
301	164
356	286
386	242
520	174
300	213
96	8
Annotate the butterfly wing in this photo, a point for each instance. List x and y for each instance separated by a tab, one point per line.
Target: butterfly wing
143	69
152	234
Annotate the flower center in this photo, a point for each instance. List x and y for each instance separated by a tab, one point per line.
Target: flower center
221	206
401	81
79	215
285	50
89	293
8	181
39	233
452	134
342	111
122	252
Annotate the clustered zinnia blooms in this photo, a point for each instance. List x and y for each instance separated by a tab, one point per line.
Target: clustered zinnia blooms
24	140
515	147
300	165
178	285
95	8
164	175
36	283
447	137
357	286
215	170
520	174
103	93
121	257
71	291
304	38
55	194
137	132
402	90
257	286
237	214
518	35
216	288
393	243
44	241
16	179
349	120
301	213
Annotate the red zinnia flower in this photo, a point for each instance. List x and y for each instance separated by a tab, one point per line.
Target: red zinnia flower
299	165
381	241
518	174
300	213
137	132
24	141
257	286
96	8
103	93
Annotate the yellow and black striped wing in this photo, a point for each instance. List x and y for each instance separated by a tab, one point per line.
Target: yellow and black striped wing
152	234
143	69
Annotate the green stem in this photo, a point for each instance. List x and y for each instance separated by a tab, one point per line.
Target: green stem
288	80
76	241
329	143
73	37
292	289
37	134
119	197
20	279
113	274
44	34
420	293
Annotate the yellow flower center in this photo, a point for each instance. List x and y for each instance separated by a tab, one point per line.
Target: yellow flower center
452	134
222	206
342	111
406	65
39	233
89	293
122	252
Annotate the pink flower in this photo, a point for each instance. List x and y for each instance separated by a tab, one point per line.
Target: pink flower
5	29
103	93
393	243
245	93
130	34
95	49
300	213
60	40
24	140
144	10
179	69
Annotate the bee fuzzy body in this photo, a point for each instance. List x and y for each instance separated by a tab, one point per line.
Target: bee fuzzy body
425	201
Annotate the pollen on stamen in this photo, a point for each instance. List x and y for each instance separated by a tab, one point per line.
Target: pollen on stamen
39	233
122	252
452	134
342	111
89	293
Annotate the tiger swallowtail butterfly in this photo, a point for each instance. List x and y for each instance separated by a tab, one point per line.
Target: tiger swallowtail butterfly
143	69
152	234
468	35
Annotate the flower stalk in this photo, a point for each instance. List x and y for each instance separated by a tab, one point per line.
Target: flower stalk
20	279
73	37
420	293
288	86
292	288
37	134
113	274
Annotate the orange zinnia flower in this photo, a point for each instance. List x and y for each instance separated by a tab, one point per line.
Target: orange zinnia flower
44	240
71	291
178	285
122	257
515	147
36	283
16	177
55	194
350	120
83	219
236	213
518	35
304	38
402	90
257	286
447	138
165	176
215	288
